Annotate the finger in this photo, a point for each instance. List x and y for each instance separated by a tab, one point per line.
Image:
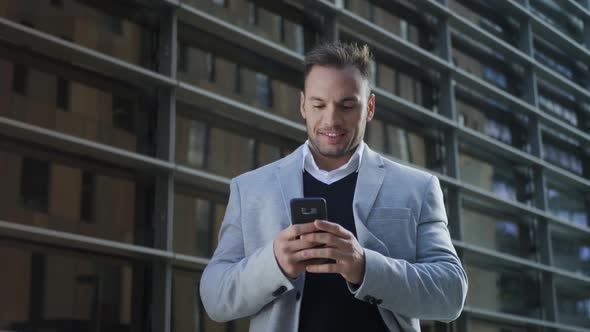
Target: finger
300	244
320	253
333	228
328	239
294	231
323	268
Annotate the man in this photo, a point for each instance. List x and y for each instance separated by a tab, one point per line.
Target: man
395	263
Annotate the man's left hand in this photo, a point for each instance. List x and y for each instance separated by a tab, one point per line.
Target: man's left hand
341	246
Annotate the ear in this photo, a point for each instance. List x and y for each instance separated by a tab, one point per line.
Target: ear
302	104
371	107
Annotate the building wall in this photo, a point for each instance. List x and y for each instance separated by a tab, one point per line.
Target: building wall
115	169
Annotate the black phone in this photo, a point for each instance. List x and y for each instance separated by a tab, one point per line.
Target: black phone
308	209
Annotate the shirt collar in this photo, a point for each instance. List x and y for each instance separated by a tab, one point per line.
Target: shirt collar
353	164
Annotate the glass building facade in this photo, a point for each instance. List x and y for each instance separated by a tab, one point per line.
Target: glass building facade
123	121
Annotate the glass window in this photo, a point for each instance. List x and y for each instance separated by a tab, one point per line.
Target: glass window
496	232
20	77
279	23
62	196
507	127
196	224
563	155
34	184
420	146
53	291
92	26
402	18
559	105
568	204
485	326
552	13
95	109
241	83
484	63
506	180
479	13
573	303
507	290
188	314
222	150
571	251
405	79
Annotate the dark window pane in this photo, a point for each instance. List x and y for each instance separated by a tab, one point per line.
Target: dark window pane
57	100
61	196
508	290
47	291
183	57
20	79
573	303
125	30
34	184
188	313
57	3
87	203
571	251
196	224
500	233
63	94
123	114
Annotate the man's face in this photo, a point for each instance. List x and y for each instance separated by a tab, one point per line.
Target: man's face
336	107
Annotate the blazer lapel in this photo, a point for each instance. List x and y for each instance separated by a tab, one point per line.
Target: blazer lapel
369	181
290	177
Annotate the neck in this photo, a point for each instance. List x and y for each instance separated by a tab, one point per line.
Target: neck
330	163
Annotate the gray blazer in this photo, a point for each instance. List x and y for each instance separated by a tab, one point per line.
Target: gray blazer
412	271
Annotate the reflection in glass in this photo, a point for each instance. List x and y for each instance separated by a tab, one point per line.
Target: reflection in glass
107	114
45	291
89	26
66	198
567	204
573	303
504	289
256	19
505	181
188	314
477	325
409	26
196	225
238	81
571	252
499	233
205	146
403	143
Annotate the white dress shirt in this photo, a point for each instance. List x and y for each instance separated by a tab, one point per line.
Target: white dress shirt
329	177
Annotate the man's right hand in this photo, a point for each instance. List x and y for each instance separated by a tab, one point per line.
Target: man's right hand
287	243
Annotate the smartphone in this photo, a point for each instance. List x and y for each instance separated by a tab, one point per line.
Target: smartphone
308	209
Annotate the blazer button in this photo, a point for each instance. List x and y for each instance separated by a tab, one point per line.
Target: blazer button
298	295
369	298
279	291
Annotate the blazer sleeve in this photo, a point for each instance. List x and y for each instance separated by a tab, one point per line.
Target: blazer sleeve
234	286
435	286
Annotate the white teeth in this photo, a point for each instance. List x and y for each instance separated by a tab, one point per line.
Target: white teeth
331	134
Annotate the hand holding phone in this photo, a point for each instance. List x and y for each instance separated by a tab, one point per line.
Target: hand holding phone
308	209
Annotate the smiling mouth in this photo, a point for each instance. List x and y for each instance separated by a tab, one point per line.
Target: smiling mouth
332	135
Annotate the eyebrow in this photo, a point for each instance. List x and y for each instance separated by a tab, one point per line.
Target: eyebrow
343	100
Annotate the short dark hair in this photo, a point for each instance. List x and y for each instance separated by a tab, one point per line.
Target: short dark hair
339	55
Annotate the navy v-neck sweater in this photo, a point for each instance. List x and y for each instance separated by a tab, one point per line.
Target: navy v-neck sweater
327	304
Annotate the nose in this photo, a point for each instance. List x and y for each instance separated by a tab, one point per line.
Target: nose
330	116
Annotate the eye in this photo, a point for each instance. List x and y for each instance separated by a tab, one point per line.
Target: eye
318	106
